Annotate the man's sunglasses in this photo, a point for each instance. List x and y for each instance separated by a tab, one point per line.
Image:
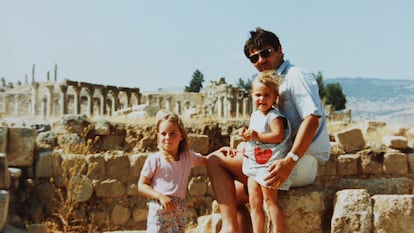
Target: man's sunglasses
265	53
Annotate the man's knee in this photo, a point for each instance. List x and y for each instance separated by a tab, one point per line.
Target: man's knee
306	171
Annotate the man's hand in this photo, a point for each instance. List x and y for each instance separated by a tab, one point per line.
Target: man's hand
279	172
228	151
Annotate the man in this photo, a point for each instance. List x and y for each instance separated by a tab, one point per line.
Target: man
301	104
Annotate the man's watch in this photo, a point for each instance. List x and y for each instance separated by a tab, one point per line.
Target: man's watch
293	156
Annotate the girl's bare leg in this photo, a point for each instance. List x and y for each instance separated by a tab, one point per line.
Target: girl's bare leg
270	197
256	206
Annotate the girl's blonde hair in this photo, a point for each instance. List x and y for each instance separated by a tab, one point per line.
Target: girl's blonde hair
175	119
270	79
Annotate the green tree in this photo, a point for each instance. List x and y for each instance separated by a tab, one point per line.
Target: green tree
196	83
335	96
246	85
331	93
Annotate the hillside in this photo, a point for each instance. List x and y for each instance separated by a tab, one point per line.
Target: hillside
378	99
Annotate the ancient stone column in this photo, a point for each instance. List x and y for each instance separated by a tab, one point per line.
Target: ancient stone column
17	99
33	73
245	104
43	107
89	108
240	98
220	107
115	102
149	100
50	100
159	102
104	93
35	97
137	95
168	103
227	107
128	95
55	73
178	107
76	107
63	99
4	102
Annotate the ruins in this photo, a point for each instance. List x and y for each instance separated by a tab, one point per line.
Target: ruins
80	175
53	98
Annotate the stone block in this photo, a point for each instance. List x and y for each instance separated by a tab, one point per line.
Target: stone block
132	188
120	215
4	172
348	164
102	127
303	209
395	142
4	208
395	163
20	152
110	188
393	213
15	174
117	166
410	158
3	139
96	166
45	141
136	162
44	165
197	186
327	168
112	142
402	185
350	140
352	212
98	216
371	163
198	143
139	215
37	228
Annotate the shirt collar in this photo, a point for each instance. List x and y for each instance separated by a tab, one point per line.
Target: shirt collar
283	68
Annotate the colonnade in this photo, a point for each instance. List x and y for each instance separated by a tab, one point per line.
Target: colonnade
49	99
221	106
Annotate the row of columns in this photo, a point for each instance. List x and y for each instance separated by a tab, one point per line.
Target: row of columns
57	94
43	104
222	106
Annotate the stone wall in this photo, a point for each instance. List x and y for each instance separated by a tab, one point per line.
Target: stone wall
82	176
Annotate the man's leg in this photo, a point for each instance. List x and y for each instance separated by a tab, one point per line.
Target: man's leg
231	197
306	170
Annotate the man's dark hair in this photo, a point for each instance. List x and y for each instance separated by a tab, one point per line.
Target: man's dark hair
259	39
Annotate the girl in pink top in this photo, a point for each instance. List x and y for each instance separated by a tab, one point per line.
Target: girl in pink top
164	177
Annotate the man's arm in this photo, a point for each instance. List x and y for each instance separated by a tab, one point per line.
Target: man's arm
281	169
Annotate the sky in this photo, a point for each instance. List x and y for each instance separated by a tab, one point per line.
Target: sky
158	45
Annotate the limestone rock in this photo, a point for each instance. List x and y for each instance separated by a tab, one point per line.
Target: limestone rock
351	140
352	212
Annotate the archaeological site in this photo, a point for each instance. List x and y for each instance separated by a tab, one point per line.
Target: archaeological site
71	153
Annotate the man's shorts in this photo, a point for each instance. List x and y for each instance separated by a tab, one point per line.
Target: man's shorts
305	171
